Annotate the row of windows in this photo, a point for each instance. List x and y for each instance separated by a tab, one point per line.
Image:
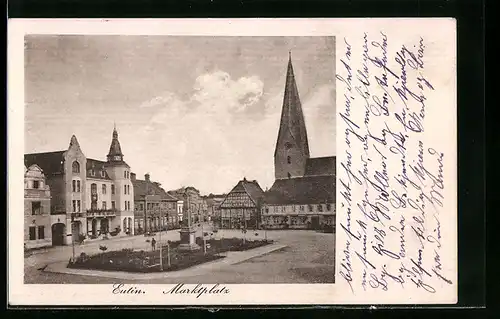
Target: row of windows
310	208
41	232
34	184
127	205
126	174
157	205
126	189
104	188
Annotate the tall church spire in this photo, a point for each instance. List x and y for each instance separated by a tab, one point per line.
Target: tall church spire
292	146
115	151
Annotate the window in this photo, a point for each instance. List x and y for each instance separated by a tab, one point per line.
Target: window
74	205
32	232
328	207
310	208
293	207
36	208
74	186
125	190
301	208
103	174
41	232
92	172
78	186
78	206
75	167
125	174
125	205
36	184
113	205
267	210
112	189
104	188
320	208
141	206
93	188
289	160
283	208
93	205
104	205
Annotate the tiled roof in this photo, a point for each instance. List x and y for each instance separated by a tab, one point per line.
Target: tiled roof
252	188
98	167
302	191
321	166
50	162
142	188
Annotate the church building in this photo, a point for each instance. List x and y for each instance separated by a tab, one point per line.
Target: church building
303	194
89	198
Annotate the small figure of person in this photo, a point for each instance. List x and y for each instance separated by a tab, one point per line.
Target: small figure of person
153	244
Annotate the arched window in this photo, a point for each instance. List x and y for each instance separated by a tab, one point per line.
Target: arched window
289	160
76	167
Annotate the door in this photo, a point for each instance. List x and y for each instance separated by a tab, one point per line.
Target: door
58	230
315	222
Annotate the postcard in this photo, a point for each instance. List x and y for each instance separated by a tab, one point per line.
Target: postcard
204	162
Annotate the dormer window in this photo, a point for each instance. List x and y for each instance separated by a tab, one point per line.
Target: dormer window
36	184
92	172
103	174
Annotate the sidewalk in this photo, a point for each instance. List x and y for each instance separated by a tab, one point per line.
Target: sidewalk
230	259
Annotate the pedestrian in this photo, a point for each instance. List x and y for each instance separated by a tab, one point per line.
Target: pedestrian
153	244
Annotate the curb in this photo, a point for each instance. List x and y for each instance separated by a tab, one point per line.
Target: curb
230	259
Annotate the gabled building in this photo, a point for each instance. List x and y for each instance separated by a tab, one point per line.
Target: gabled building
37	223
90	197
190	201
241	207
303	194
154	209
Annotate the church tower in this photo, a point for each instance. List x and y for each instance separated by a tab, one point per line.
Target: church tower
292	147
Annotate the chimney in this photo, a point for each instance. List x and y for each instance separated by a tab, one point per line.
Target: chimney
146	177
132	176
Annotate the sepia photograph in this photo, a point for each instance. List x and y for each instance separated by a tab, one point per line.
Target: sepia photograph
162	159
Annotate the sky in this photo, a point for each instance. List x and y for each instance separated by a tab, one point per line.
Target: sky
191	111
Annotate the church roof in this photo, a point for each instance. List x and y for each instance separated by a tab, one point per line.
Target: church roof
51	163
292	118
142	188
302	191
321	166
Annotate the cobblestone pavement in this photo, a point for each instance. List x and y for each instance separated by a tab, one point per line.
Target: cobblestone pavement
308	258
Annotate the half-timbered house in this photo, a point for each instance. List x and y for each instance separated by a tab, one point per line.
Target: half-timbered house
241	207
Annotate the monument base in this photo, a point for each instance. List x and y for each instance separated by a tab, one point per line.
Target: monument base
188	240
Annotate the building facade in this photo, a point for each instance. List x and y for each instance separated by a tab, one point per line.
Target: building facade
192	203
154	209
213	207
37	223
241	207
90	198
303	194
